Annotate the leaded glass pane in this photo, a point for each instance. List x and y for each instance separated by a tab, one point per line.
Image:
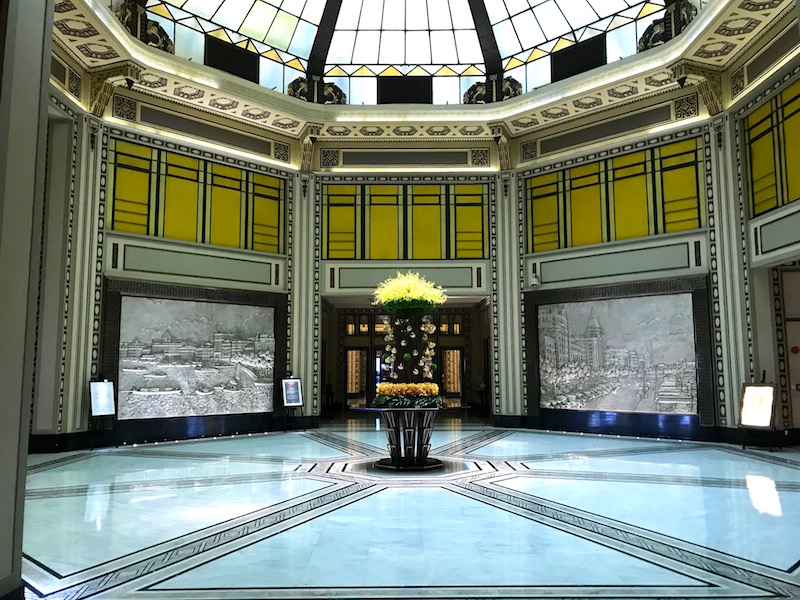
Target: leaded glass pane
270	74
394	14
416	14
348	15
506	37
439	15
621	42
341	50
528	30
363	90
392	47
232	13
538	73
606	8
257	23
366	48
443	47
303	39
497	11
189	44
551	20
462	15
281	31
418	47
371	15
202	8
579	13
313	11
293	7
446	90
469	49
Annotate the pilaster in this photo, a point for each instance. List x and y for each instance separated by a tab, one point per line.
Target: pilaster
506	295
304	318
730	288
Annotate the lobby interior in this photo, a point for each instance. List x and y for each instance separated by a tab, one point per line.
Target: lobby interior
611	200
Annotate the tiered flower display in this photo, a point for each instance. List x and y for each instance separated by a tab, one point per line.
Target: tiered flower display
409	353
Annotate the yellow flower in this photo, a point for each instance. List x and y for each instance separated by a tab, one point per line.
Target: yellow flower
407	389
411	286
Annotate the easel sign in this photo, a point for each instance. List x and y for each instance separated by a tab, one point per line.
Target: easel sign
102	395
292	393
758	402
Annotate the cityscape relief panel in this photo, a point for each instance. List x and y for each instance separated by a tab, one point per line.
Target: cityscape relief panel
624	354
182	358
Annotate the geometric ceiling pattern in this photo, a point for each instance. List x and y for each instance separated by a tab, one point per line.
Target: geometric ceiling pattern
404	37
282	30
719	36
526	31
513	514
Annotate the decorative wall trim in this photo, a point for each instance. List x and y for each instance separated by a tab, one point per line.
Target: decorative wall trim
97	280
74	83
67	258
282	152
328	158
402	179
347	278
493	271
779	316
627	148
124	108
775	236
686	107
140	138
716	315
479	157
318	270
167	261
528	151
656	257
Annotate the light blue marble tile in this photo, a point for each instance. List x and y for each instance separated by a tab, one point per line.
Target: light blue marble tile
291	445
522	443
76	532
121	468
706	462
734	521
423	537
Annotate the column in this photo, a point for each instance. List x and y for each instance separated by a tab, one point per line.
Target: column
26	34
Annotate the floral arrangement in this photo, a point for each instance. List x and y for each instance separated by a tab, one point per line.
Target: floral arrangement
408	389
410	350
408	294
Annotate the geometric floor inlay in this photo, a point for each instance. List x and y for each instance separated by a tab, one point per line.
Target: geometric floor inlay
514	514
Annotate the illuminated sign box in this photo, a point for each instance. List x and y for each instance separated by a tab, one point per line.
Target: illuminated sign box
757	406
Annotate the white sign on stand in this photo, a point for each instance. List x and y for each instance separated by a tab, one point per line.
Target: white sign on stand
758	401
102	393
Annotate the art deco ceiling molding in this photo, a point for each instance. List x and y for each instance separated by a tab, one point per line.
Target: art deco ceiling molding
713	42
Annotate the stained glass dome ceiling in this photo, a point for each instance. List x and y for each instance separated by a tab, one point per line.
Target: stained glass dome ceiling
374	38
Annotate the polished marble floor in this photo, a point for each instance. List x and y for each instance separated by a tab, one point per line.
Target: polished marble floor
514	514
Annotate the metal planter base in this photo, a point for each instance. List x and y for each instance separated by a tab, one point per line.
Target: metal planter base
409	435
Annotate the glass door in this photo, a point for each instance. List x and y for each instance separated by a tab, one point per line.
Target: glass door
452	369
356	377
